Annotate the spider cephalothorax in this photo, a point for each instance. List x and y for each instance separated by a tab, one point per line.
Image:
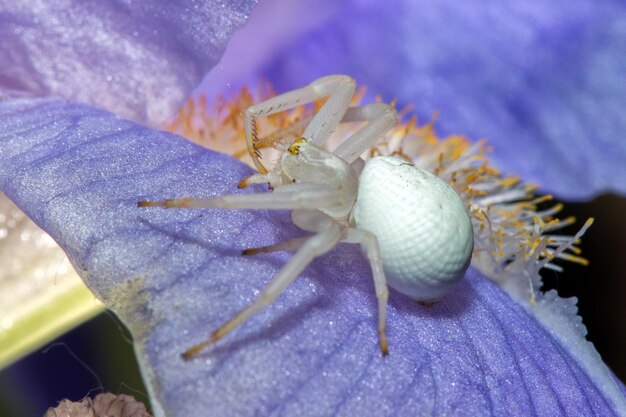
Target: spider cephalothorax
413	227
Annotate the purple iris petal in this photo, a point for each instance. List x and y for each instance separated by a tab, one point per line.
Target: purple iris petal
543	81
175	275
137	59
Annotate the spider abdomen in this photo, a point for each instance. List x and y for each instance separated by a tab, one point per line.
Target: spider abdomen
422	226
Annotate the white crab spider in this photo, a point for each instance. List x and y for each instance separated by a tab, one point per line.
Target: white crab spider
413	227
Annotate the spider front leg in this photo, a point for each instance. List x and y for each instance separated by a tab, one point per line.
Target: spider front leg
329	234
339	89
381	118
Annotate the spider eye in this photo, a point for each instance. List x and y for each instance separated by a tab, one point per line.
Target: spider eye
294	148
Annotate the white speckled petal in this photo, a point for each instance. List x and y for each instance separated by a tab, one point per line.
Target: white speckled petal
174	275
138	59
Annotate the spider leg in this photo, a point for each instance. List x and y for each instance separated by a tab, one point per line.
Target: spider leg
290	196
316	245
339	89
369	243
272	178
288	246
381	117
310	220
286	134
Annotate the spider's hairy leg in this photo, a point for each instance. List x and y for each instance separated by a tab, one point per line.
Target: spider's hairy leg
274	105
286	134
369	243
318	244
290	196
381	118
340	88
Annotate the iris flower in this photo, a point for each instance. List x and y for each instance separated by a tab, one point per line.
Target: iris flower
78	169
